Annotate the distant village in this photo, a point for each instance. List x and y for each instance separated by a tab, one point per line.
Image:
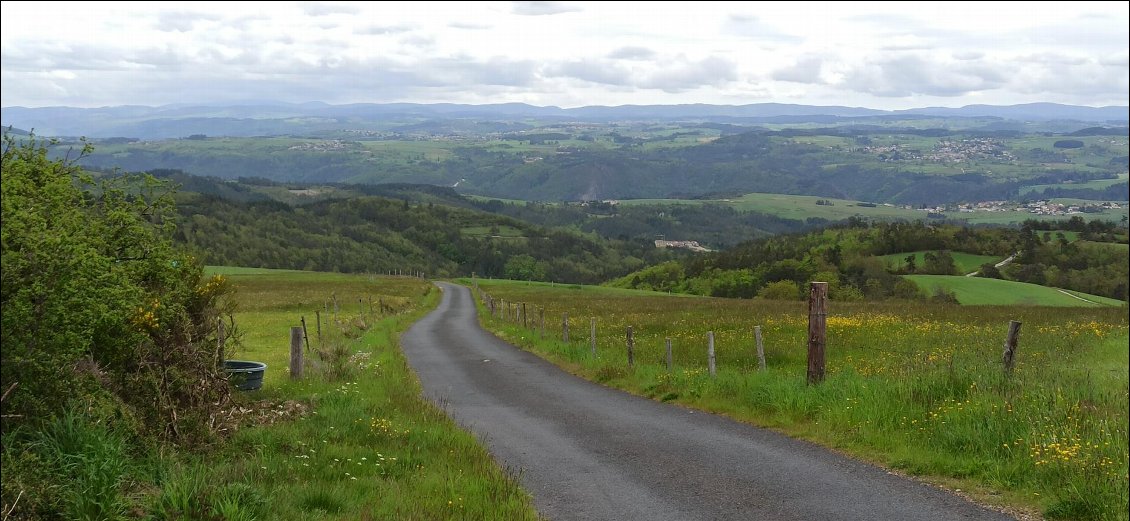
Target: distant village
1044	207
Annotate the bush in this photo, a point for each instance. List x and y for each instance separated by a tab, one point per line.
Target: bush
780	290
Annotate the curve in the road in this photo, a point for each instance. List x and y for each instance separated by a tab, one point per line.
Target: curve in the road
588	452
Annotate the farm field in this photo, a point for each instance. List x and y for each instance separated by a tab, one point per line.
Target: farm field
976	291
804	207
356	440
916	387
965	262
1096	184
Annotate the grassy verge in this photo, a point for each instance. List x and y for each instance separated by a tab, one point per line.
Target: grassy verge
356	440
915	387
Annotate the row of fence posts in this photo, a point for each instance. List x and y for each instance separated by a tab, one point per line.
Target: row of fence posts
817	333
300	338
416	274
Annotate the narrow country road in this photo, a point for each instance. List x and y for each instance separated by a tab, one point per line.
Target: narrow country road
592	453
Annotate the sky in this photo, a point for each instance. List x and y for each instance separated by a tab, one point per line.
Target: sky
883	55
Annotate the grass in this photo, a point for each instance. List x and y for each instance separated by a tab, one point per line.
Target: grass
913	386
965	262
977	291
363	444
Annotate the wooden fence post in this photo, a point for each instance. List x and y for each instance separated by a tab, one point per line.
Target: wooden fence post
710	352
631	348
760	348
318	317
525	319
305	336
592	335
669	364
295	353
565	326
817	330
1010	345
541	322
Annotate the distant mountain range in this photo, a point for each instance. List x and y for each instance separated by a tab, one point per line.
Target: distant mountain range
276	118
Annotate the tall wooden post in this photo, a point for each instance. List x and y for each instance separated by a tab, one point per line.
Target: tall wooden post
669	362
221	339
541	322
565	326
1010	345
295	353
305	335
760	348
631	348
525	319
817	330
592	335
710	352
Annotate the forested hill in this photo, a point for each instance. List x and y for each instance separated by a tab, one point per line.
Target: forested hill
378	235
865	260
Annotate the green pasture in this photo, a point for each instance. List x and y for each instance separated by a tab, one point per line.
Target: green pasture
977	291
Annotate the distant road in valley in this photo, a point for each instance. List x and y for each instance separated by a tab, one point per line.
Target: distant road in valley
587	452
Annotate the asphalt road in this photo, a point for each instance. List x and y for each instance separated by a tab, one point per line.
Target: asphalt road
588	452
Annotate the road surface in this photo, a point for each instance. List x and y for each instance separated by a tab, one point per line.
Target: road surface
588	452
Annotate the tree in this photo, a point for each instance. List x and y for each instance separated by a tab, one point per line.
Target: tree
524	267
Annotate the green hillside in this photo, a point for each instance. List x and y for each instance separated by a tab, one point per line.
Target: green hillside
975	291
965	262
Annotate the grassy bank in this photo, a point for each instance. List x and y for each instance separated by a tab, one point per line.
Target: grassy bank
355	440
915	387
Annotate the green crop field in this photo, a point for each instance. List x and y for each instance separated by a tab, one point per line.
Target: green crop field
912	386
965	262
978	291
351	440
1097	184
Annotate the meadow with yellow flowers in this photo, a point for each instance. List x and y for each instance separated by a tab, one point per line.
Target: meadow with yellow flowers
917	387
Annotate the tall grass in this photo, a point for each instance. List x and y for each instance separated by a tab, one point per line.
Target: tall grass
916	387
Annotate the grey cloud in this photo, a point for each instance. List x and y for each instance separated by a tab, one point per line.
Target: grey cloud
383	29
1050	58
541	8
805	70
418	40
909	75
320	9
1117	60
752	27
689	75
632	53
968	55
1090	78
592	71
469	26
181	21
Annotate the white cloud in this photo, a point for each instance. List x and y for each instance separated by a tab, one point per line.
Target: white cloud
890	55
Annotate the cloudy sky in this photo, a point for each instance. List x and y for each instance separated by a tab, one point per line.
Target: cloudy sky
886	55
